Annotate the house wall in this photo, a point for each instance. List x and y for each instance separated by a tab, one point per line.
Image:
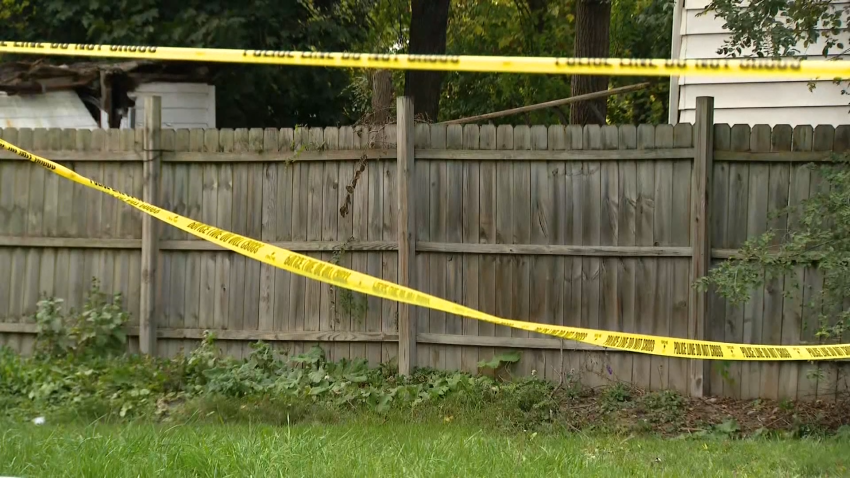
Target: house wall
779	100
184	105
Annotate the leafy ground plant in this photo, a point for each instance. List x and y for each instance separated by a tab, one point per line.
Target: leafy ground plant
79	375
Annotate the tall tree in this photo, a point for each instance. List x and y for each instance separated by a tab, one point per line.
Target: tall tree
428	23
593	20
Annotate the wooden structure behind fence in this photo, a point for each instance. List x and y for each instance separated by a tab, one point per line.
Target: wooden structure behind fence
588	226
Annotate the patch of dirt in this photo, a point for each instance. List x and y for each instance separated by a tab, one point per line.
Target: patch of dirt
670	414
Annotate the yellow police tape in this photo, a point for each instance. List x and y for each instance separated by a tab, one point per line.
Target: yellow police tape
748	67
359	282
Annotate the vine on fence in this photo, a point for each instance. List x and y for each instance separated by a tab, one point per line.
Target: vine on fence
354	304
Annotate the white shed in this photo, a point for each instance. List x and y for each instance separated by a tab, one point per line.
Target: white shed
779	100
184	105
38	94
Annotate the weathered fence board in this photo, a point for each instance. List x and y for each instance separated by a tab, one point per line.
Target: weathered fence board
561	225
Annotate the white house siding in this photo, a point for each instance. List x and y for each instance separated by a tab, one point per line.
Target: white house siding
184	105
55	109
772	101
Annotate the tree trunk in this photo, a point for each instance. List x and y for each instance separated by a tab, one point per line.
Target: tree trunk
593	19
428	23
382	96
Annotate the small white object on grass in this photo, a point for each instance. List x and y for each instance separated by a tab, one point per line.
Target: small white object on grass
38	420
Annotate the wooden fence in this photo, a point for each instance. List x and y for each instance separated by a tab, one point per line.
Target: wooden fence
599	227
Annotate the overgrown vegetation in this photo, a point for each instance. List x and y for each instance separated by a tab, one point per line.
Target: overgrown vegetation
817	237
80	369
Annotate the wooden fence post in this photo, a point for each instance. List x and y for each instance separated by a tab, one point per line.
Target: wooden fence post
700	236
406	239
150	225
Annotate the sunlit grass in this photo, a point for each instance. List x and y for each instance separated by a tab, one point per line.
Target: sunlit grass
392	449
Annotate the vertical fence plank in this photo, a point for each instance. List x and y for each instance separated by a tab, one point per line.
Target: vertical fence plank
718	377
454	234
315	191
487	235
269	231
778	182
560	203
683	137
176	291
330	223
609	304
541	293
663	280
646	266
194	260
756	224
422	171
504	230
736	227
437	224
520	267
8	228
360	227
700	237
591	192
150	194
374	259
254	229
33	217
792	307
300	210
209	213
471	262
406	213
341	319
827	374
573	268
627	192
224	212
389	260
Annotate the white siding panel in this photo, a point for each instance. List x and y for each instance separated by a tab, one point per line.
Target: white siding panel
703	80
56	109
834	115
695	22
184	105
760	95
769	100
174	88
705	46
701	4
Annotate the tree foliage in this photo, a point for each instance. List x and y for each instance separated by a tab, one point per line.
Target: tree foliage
818	236
503	27
247	96
636	27
774	28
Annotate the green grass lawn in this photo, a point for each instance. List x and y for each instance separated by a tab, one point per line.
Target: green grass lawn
408	450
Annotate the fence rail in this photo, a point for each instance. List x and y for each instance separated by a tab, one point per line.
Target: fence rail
598	227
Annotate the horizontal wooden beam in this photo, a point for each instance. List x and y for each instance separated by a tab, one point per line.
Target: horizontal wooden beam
70	242
553	250
550	155
367	246
775	157
504	342
342	336
373	154
191	245
301	246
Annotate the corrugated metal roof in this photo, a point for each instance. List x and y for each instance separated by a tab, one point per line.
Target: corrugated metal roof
55	109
